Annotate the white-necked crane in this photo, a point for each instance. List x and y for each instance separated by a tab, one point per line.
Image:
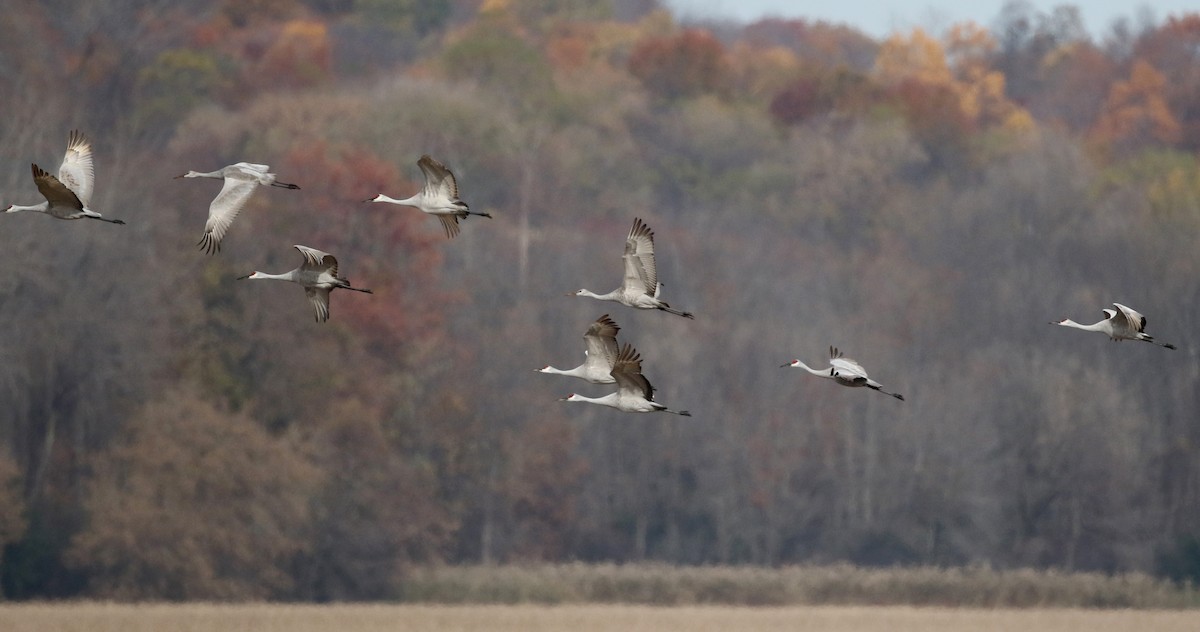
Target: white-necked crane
318	275
68	195
640	287
634	392
601	354
241	180
1122	323
438	197
844	371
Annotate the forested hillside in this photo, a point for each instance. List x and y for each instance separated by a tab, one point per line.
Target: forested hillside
927	203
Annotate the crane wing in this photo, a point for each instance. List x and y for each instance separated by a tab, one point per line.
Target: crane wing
601	339
55	192
640	272
845	367
76	170
318	260
627	371
250	168
450	225
439	181
319	297
1133	319
225	208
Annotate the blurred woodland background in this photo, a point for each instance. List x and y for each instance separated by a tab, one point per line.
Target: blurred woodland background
927	203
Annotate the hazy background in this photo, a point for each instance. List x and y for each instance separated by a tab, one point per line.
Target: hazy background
926	200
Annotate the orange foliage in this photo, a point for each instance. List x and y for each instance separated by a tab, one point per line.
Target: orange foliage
969	95
300	57
934	110
1171	50
685	65
829	45
569	51
1136	111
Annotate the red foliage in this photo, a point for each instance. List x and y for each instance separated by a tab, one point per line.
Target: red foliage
799	101
389	250
842	90
688	64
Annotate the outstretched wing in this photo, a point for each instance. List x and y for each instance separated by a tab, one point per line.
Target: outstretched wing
76	169
640	272
225	208
439	181
449	224
601	339
55	192
317	260
845	367
252	169
319	297
627	371
1133	319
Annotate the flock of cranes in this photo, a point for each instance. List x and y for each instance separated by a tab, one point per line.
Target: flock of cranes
69	194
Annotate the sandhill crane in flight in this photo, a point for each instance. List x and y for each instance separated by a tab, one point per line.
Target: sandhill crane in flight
1119	324
318	275
68	195
240	181
439	196
640	288
634	392
601	353
844	371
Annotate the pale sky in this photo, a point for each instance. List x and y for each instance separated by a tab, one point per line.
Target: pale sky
880	17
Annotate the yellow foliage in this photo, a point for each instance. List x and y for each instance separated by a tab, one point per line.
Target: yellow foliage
759	72
1019	121
979	89
969	46
918	56
494	6
1177	190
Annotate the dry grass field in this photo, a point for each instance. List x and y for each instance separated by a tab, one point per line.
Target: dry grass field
108	617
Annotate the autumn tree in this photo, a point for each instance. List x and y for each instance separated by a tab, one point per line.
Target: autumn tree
377	511
300	56
690	63
1171	49
1136	112
821	43
195	503
495	56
